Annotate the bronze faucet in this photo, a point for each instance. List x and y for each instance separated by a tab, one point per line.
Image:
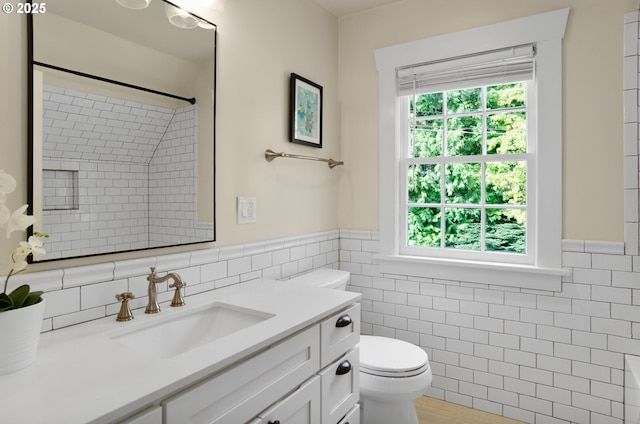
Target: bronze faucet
153	279
125	312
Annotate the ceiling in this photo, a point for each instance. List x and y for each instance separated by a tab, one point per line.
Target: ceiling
346	7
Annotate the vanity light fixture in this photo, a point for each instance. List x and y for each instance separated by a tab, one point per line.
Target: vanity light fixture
134	4
179	17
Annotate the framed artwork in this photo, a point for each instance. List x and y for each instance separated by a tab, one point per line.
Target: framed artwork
305	112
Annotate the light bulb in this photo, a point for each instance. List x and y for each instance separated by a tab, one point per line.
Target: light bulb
134	4
179	17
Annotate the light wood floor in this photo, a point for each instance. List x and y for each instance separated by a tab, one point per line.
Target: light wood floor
431	410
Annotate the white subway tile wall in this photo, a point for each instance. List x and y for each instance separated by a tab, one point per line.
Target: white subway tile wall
59	189
173	185
107	218
135	174
532	355
79	294
79	125
631	134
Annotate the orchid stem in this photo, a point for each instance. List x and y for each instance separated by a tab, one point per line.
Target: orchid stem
6	281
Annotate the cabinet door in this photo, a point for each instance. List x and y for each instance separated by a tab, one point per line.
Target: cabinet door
340	387
301	407
339	333
238	394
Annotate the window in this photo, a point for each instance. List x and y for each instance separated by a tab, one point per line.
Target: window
465	159
467	121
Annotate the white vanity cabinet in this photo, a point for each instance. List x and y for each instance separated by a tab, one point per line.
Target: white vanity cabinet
339	332
301	407
340	387
311	377
291	367
330	397
340	373
240	393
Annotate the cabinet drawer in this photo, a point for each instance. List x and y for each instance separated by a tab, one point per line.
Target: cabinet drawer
339	333
353	416
241	392
301	407
340	387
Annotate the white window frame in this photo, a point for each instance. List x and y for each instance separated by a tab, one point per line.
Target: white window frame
544	270
529	158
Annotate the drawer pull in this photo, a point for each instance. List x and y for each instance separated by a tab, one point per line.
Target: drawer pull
343	321
343	368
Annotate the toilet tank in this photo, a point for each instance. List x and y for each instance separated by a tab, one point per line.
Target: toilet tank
325	277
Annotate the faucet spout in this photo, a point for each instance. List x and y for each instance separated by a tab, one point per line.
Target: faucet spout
152	305
153	279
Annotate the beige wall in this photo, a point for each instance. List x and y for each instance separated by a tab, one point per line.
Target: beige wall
593	186
259	44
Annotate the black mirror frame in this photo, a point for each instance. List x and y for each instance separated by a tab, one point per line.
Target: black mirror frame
30	137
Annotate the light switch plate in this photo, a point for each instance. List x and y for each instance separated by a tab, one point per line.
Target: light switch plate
246	210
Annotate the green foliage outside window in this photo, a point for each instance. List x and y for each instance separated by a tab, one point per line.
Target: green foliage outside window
451	210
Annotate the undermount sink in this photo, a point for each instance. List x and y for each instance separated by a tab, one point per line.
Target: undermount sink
174	334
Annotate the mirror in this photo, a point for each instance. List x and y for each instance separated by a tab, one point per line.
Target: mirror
122	128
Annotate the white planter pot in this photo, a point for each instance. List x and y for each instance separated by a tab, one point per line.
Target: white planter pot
19	336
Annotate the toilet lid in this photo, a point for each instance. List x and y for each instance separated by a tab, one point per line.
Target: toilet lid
389	357
324	277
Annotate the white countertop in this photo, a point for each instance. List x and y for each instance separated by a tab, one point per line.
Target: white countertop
83	376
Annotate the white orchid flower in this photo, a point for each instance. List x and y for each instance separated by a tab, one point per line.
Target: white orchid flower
19	221
19	257
22	251
7	185
18	266
35	247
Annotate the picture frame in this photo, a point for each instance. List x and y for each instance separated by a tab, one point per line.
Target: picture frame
305	101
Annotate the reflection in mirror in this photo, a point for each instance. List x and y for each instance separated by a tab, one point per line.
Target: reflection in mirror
123	128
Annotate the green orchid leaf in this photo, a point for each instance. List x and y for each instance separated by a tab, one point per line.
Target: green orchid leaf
19	295
5	302
32	299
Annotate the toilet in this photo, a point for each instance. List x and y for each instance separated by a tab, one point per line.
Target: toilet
393	373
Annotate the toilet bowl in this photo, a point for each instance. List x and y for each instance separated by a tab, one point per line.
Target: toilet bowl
393	373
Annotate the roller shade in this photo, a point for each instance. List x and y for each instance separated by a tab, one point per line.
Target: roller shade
494	67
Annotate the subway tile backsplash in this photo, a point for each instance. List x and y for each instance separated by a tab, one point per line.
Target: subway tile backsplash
79	294
532	355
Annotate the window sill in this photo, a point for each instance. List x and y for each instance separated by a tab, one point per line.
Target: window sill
521	276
